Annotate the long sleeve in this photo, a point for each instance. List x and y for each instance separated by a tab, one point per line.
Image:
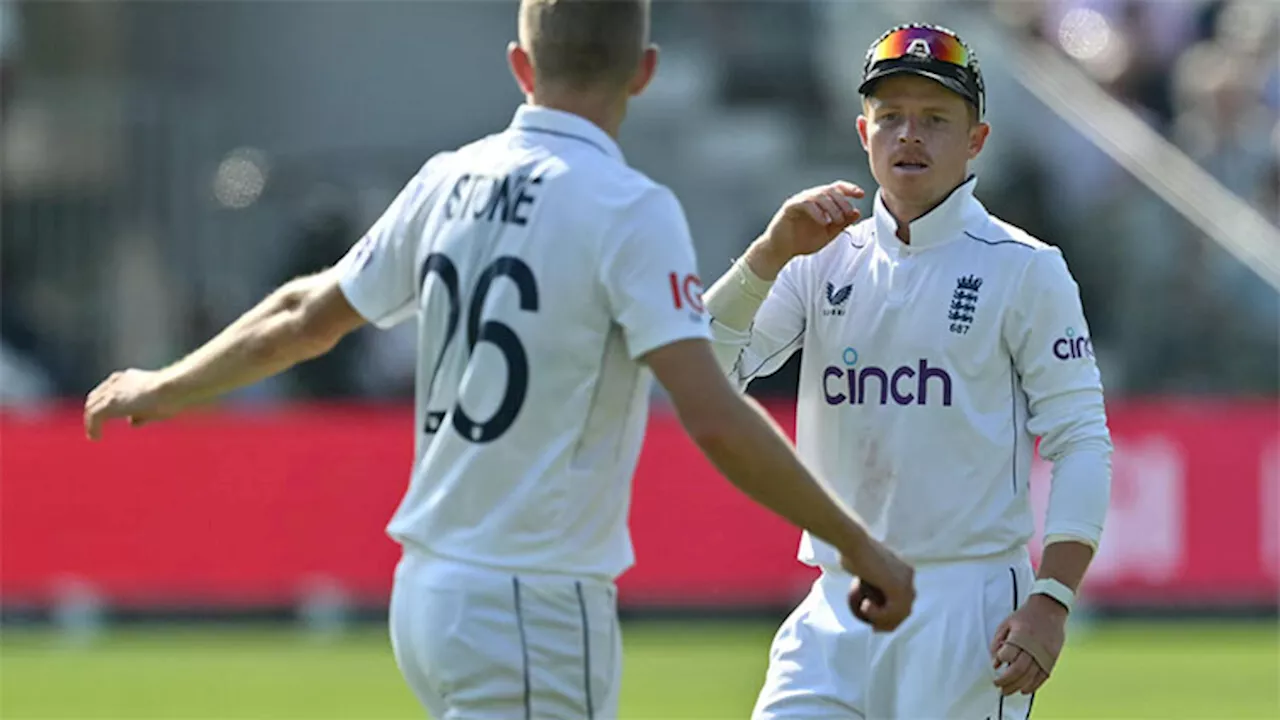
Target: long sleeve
1048	338
751	345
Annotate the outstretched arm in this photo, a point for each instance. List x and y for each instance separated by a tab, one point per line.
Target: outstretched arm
302	319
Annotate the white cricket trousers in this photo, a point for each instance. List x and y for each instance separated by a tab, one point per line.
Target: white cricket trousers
474	642
825	663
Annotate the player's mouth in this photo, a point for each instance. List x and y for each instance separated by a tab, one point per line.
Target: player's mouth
911	167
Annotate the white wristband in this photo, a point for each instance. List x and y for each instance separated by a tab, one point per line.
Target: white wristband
1056	590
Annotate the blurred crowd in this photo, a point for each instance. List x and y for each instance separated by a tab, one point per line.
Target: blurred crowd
87	284
1176	312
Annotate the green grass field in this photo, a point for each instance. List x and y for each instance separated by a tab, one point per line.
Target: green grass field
673	670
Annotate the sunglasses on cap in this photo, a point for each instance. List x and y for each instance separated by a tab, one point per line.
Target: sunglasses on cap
929	51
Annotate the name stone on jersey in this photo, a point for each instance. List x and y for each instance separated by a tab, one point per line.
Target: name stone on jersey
501	198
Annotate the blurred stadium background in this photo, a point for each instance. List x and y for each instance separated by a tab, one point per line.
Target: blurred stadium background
166	164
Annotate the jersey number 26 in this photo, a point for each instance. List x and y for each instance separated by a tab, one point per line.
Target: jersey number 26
491	331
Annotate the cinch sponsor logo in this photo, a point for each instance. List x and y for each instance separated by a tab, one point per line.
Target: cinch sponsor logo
871	385
1072	346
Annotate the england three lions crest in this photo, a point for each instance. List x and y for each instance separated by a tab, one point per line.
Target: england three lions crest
964	303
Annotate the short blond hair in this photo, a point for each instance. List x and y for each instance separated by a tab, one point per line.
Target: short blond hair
584	43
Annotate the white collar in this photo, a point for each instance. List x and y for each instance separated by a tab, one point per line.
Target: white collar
944	222
538	119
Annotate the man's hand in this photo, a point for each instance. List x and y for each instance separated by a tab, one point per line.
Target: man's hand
805	224
1028	643
883	588
132	394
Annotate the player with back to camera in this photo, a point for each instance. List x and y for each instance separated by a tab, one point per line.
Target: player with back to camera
548	281
938	343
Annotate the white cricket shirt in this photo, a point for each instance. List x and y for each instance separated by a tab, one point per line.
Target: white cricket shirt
539	267
927	371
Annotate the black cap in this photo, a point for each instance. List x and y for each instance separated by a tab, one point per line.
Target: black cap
920	57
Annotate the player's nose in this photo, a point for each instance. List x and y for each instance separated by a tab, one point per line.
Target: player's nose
909	131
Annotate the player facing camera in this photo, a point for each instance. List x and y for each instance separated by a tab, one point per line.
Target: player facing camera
931	288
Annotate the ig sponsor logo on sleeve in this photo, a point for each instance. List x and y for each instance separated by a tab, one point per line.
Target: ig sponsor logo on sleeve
686	292
1072	346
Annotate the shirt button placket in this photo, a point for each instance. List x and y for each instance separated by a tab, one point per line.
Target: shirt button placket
898	281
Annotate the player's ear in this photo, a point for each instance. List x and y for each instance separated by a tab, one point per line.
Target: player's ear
521	67
978	138
862	131
644	72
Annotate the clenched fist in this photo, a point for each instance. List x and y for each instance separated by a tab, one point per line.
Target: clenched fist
806	223
883	591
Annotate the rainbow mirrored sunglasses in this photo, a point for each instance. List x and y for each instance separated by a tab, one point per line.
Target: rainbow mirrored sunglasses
937	47
920	42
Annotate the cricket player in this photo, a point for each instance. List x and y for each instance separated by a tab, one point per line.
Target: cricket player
939	343
549	283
